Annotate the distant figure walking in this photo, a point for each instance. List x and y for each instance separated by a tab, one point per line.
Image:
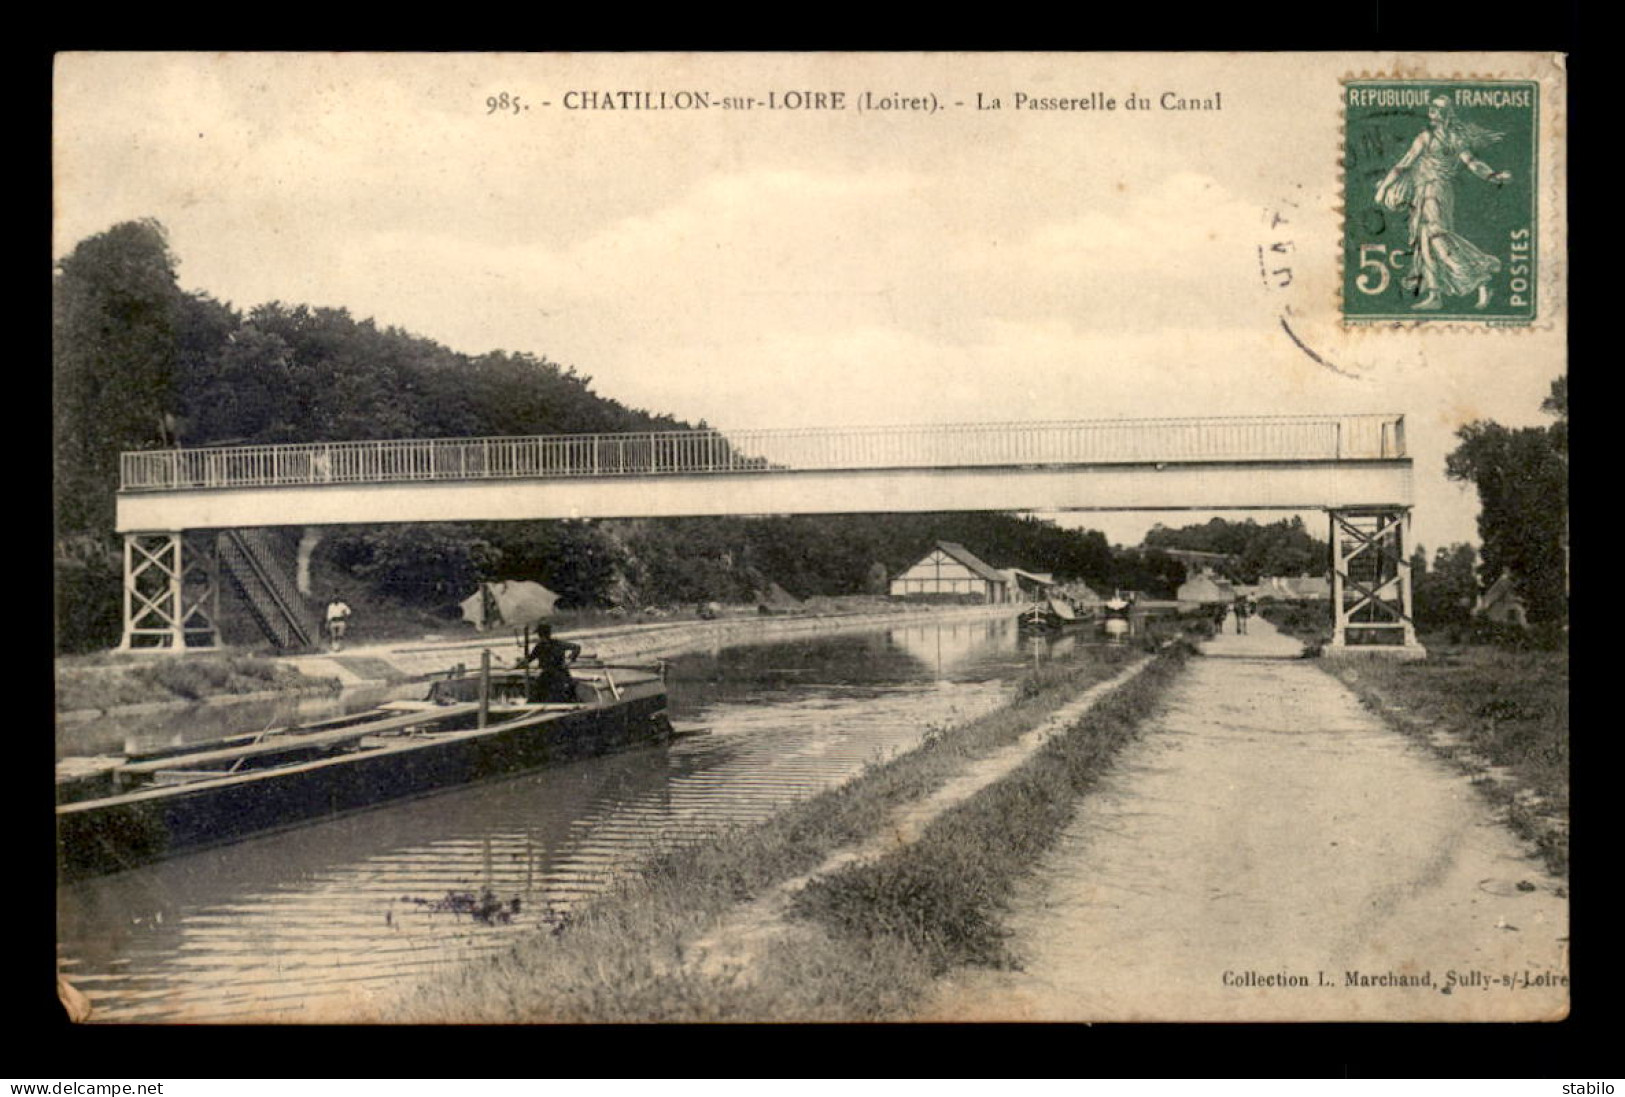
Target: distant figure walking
552	659
1242	611
338	620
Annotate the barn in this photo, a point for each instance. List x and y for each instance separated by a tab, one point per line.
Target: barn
952	569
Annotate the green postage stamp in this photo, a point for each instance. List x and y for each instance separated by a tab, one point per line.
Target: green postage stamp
1440	185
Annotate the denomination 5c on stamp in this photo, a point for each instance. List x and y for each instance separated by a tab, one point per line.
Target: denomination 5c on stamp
1440	185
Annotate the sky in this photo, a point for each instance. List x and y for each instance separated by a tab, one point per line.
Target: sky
801	267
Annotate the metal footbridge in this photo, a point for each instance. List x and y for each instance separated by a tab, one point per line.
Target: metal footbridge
172	503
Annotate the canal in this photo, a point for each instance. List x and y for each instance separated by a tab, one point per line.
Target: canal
314	923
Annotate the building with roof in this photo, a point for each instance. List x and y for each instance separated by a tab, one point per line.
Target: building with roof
1501	603
1030	586
1293	588
951	569
1203	589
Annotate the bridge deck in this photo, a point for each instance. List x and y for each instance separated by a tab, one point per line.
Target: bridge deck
1258	462
653	453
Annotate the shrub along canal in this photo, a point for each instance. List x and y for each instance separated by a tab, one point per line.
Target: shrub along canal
320	920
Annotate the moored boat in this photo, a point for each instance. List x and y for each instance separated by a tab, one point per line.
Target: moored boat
1115	616
1050	615
114	813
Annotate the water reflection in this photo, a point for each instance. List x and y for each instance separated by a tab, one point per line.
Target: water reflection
946	648
308	924
283	926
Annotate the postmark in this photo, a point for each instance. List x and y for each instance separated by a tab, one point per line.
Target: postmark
1440	201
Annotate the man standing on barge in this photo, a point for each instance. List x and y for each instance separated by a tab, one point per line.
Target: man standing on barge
552	659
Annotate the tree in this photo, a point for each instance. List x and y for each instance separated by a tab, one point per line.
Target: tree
240	393
423	565
115	317
1444	594
1522	480
1280	548
579	561
206	329
118	331
1151	571
1557	404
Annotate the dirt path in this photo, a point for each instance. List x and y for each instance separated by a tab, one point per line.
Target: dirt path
1266	829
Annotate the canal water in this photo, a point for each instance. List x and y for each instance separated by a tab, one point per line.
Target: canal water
314	923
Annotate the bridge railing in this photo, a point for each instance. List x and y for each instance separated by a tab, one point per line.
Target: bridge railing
1274	438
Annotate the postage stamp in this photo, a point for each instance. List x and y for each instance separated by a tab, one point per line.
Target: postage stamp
1440	187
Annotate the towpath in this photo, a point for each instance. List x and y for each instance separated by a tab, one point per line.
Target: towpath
1267	849
372	663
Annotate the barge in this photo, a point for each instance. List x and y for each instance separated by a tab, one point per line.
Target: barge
114	813
1049	616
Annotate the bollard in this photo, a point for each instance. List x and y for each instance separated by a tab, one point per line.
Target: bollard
485	685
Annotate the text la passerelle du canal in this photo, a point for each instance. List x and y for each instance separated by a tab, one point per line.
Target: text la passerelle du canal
929	103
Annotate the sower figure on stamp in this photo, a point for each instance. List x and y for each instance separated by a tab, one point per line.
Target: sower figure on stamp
552	659
1442	262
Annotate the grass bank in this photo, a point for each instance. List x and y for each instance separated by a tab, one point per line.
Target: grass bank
100	682
1480	707
1310	622
628	957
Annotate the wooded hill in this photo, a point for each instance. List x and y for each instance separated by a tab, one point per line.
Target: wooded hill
139	363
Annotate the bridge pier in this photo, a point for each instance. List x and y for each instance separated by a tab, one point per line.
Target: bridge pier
1371	583
171	591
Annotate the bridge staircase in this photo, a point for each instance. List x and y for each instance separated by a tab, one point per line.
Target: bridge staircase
251	559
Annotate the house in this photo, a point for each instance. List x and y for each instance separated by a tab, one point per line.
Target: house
1293	588
1501	603
1205	590
952	569
1312	587
1272	587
